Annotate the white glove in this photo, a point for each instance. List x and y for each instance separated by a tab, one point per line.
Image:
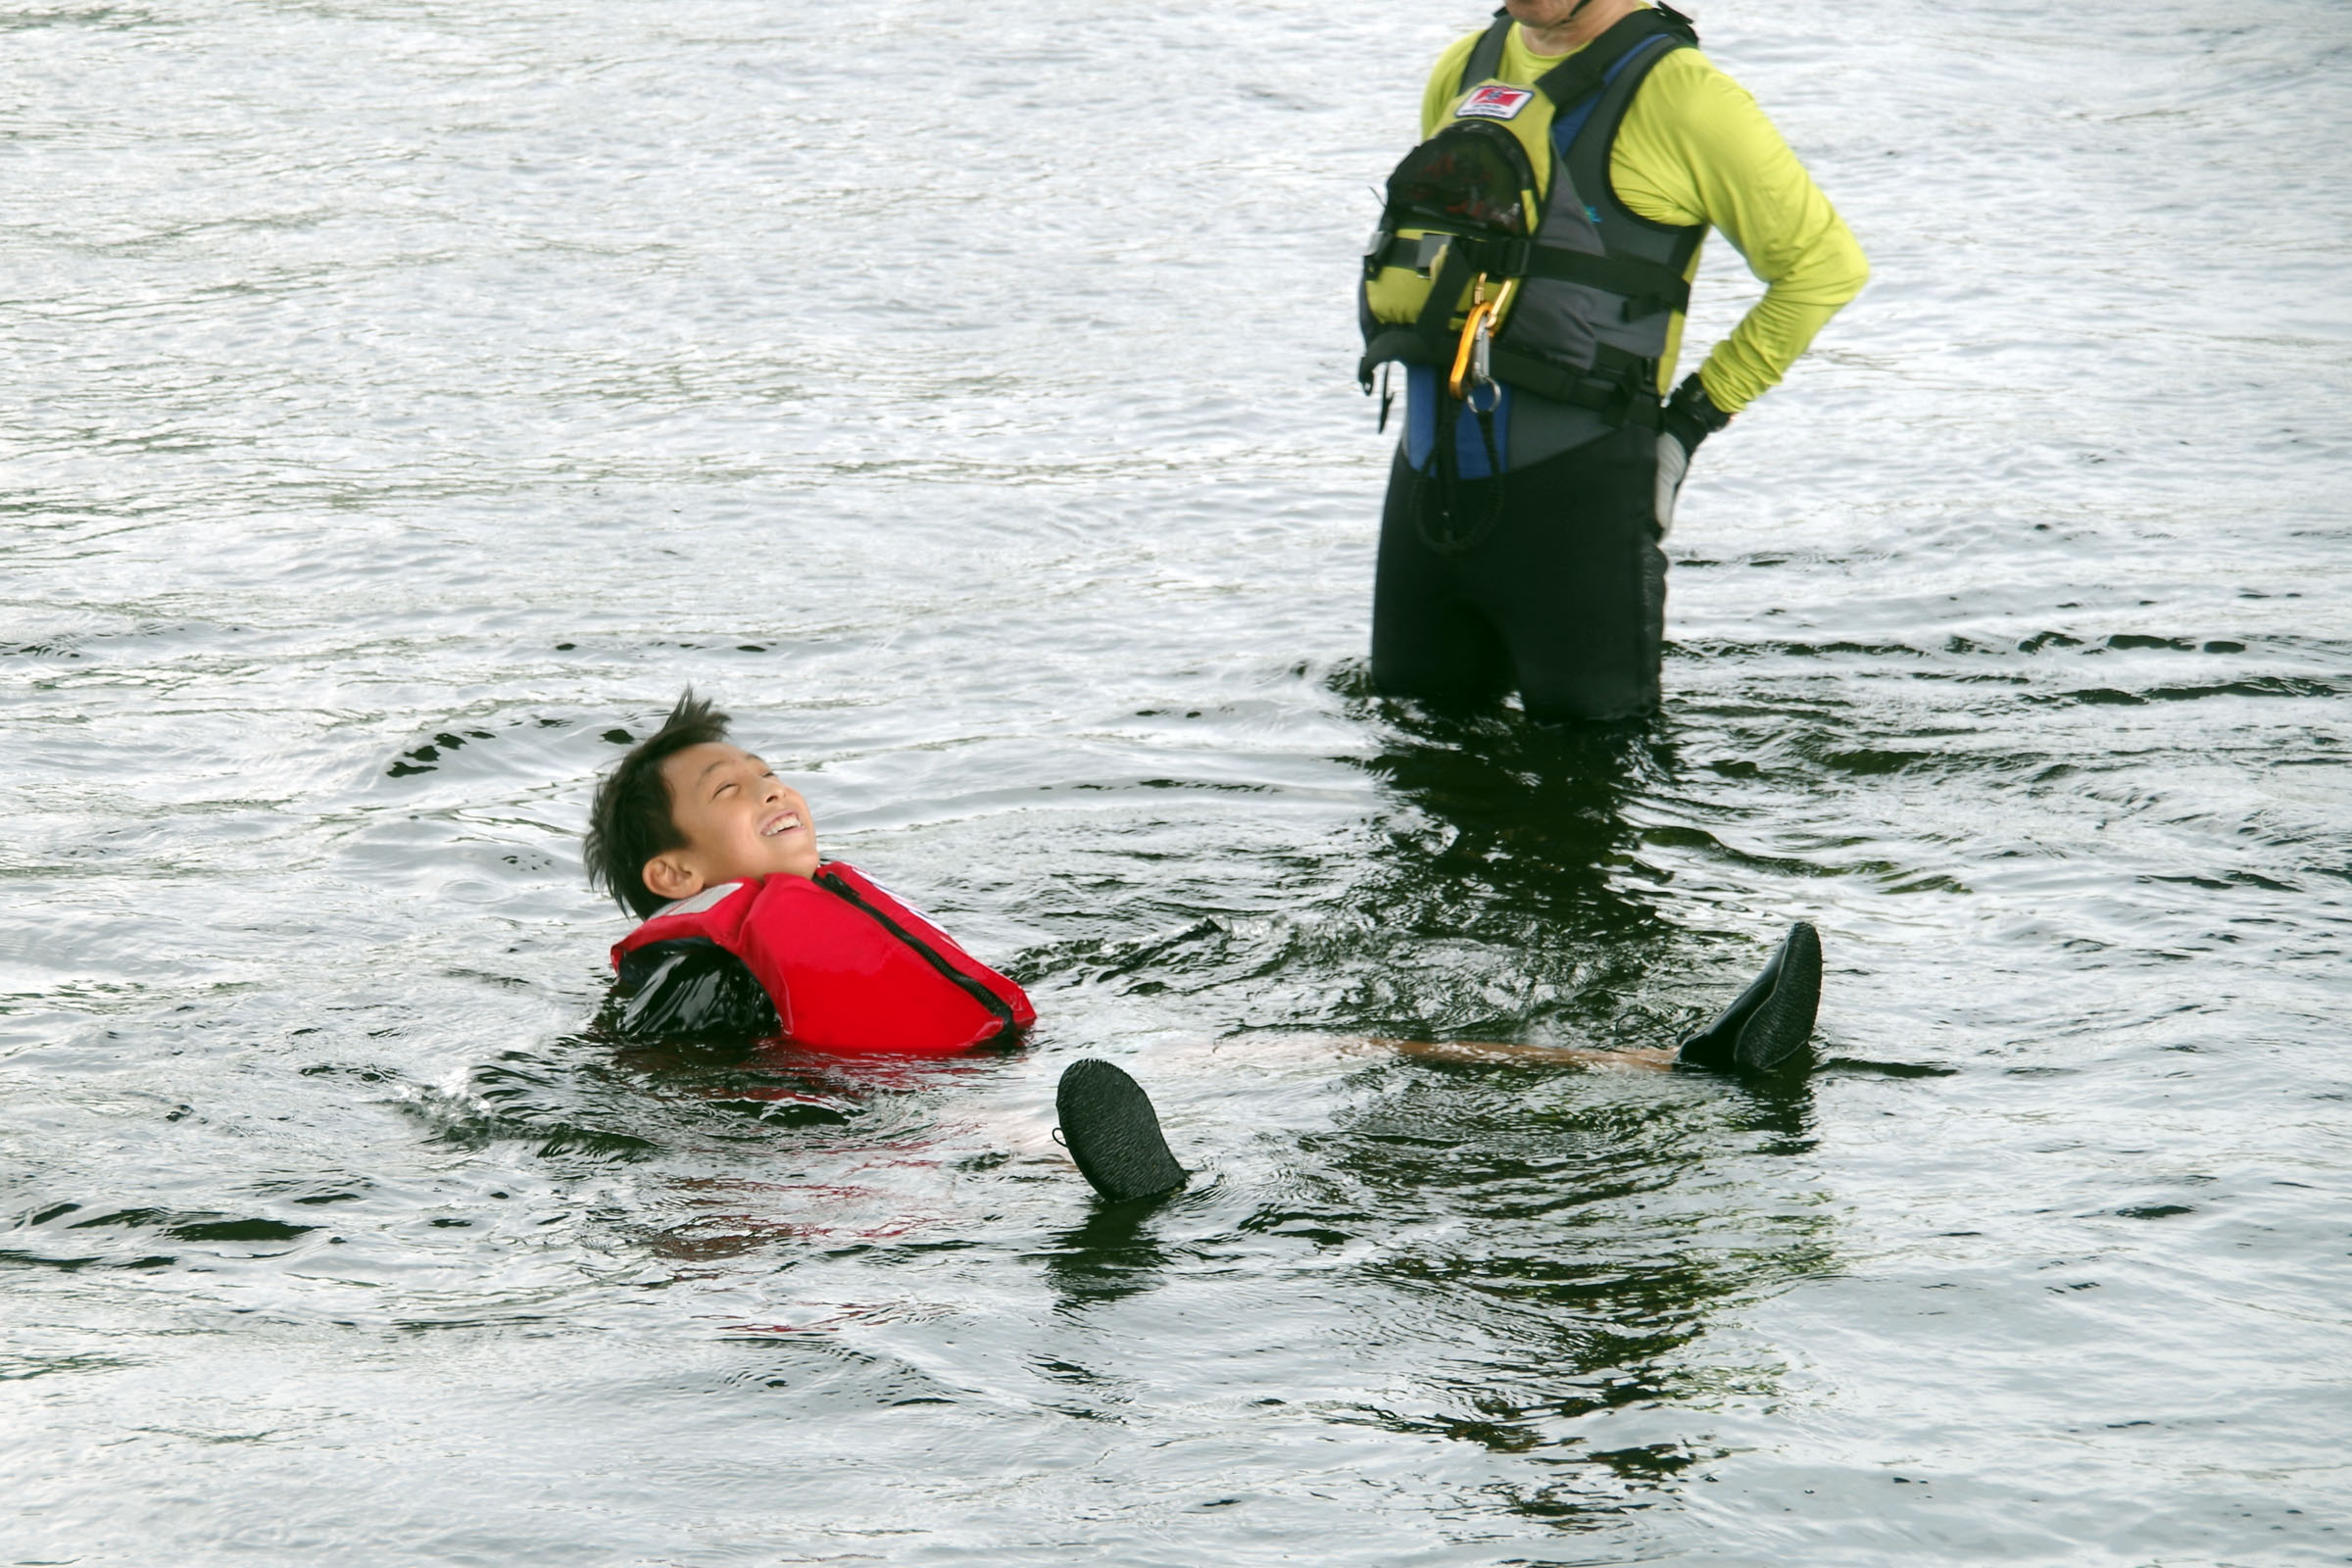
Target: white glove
1673	463
1688	417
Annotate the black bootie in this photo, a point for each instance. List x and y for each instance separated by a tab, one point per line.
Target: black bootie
1112	1132
1772	1019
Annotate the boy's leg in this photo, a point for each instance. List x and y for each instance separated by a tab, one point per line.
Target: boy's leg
1111	1131
1480	1051
1760	1032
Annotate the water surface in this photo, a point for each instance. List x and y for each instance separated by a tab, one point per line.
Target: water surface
407	399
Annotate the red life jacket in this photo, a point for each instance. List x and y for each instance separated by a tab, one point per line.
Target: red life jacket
849	967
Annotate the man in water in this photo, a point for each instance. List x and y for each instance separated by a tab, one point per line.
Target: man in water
1531	274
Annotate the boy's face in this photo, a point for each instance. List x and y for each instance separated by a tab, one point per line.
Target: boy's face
738	819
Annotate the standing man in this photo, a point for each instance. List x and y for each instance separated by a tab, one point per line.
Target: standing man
1531	274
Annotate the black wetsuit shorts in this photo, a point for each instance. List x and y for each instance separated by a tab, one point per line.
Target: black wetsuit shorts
1555	586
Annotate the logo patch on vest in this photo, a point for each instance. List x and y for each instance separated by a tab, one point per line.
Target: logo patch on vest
1495	103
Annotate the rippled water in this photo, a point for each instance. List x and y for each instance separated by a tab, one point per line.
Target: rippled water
405	398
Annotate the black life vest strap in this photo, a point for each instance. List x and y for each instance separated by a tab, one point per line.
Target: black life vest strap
1621	387
1425	342
1647	287
1486	56
1581	74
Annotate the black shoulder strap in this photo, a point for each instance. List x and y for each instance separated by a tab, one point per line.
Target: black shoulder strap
1582	73
1486	57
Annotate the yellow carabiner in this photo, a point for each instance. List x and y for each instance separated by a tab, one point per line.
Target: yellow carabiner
1474	332
1470	356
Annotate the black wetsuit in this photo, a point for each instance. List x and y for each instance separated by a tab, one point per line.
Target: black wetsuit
1561	596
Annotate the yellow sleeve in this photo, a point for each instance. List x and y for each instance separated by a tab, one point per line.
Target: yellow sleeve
1696	148
1438	96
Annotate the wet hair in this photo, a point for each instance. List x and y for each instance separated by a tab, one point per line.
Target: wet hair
631	819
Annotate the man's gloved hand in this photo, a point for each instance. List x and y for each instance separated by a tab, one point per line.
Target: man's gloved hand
1690	418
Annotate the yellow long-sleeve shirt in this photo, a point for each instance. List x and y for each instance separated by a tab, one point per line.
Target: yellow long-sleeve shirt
1696	149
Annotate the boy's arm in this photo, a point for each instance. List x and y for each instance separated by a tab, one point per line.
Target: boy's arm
692	987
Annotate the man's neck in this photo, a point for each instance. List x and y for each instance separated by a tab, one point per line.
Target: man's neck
1587	23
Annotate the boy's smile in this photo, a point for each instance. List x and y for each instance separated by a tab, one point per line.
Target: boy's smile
738	819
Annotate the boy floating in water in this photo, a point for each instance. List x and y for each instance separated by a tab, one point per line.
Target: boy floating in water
747	931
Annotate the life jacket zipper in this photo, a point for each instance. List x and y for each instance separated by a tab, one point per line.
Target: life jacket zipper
996	1007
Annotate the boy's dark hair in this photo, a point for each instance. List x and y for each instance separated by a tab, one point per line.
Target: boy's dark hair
629	821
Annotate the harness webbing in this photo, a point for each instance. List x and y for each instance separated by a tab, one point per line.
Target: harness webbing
1486	56
1581	74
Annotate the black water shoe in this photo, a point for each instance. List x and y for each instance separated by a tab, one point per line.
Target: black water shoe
1772	1019
1111	1131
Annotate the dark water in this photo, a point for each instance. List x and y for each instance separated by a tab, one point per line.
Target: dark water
404	396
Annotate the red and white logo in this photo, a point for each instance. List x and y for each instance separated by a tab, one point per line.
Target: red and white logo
1495	103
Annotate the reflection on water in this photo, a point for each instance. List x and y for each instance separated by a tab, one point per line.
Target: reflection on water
1512	841
1566	1237
1513	846
1530	817
1112	1254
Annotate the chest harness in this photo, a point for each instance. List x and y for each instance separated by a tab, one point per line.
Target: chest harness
849	967
1503	257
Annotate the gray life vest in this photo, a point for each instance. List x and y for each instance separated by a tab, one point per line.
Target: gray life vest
1596	283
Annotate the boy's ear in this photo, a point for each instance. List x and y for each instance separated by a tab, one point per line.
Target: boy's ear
670	879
